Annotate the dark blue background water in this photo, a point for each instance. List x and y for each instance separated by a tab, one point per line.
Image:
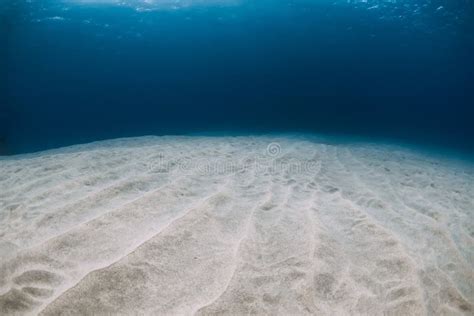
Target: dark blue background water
73	73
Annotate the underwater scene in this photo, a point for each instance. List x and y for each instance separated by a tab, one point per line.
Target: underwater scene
236	157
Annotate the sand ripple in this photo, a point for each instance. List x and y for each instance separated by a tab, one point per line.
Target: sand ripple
214	225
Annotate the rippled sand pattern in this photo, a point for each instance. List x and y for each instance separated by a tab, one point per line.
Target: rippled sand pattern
201	225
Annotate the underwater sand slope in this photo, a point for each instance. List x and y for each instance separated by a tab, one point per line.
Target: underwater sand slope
235	225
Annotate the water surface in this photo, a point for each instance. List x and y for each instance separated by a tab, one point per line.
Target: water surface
81	70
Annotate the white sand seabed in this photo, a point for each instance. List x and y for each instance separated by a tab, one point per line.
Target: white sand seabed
236	225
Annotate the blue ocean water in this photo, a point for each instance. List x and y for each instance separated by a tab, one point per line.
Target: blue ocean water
75	71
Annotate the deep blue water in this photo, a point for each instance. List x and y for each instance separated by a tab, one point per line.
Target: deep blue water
74	72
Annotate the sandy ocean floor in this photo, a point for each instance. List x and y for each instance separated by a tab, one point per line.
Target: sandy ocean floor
236	225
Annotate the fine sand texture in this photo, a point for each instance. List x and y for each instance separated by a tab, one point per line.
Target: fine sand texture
265	225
